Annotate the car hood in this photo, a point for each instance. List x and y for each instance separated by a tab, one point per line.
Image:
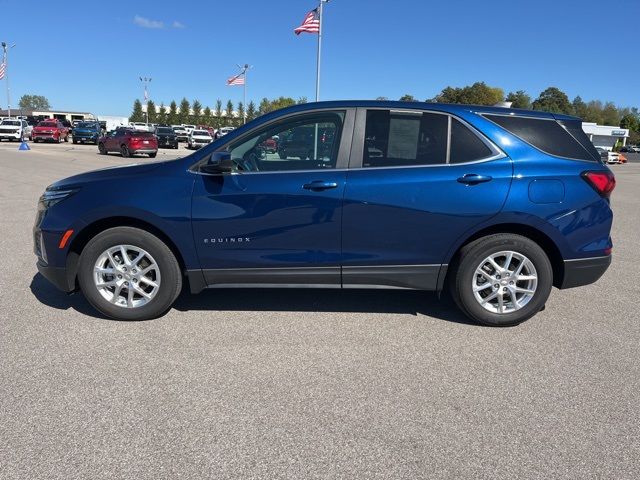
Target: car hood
45	128
84	130
109	173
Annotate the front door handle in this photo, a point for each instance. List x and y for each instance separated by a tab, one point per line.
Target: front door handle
474	179
318	185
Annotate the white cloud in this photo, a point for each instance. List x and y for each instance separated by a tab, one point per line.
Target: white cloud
147	22
177	24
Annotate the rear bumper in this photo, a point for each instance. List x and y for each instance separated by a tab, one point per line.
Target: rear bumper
584	271
143	150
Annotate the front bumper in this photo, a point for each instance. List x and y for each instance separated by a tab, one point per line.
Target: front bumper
584	271
57	276
9	136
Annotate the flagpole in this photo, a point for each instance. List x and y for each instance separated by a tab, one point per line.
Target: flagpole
244	96
319	50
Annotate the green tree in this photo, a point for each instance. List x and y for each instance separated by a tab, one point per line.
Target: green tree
218	113
151	112
196	106
34	102
172	116
593	112
162	114
610	115
240	112
553	100
265	106
184	113
281	102
207	117
229	113
579	107
302	100
407	98
477	94
137	115
519	99
630	121
251	110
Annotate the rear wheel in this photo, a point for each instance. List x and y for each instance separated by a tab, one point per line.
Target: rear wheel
129	274
501	280
153	155
75	141
124	151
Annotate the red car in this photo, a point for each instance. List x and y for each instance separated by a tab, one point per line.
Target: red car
129	142
51	129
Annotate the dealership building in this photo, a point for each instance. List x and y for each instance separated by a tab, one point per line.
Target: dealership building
42	114
605	136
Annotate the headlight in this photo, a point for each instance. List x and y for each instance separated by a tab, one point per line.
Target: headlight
51	197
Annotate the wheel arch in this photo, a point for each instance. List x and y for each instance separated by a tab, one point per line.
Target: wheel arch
91	230
547	244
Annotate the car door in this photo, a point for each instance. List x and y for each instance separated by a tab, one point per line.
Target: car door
418	180
276	219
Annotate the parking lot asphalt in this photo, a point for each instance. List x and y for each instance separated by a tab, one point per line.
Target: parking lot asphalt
310	384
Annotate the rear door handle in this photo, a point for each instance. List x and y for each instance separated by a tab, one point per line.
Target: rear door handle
318	185
474	179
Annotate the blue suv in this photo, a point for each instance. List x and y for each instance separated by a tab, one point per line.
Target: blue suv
494	205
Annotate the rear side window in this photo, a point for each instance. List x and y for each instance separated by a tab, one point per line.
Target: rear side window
394	139
466	146
547	135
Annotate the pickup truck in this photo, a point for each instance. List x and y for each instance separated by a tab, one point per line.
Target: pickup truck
14	129
52	130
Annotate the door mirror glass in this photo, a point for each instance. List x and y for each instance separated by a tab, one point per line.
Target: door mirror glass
218	162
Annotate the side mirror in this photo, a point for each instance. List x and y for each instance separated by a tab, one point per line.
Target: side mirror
219	162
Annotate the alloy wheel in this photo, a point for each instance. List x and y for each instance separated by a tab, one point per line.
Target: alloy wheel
127	276
504	282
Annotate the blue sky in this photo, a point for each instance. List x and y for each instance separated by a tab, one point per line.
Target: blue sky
88	56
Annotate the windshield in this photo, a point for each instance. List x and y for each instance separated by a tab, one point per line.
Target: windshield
86	125
164	130
11	122
201	133
47	124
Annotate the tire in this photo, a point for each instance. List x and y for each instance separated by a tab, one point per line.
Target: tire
59	138
526	255
153	155
169	277
101	149
124	151
75	141
66	138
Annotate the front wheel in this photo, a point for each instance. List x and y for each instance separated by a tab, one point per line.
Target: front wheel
501	280
102	149
129	274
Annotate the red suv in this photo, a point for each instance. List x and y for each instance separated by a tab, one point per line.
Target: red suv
52	130
129	142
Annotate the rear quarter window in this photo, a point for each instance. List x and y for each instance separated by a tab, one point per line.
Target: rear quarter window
548	135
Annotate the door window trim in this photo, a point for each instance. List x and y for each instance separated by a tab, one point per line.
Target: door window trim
357	148
344	149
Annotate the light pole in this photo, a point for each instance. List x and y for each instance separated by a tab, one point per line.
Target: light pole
146	81
5	50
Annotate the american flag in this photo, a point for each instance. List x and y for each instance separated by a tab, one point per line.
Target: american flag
310	24
236	79
3	68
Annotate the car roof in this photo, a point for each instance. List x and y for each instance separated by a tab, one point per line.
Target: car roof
441	107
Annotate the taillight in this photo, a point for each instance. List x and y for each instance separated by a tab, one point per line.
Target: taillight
602	182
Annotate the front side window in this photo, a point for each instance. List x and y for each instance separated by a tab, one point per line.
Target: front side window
394	139
305	142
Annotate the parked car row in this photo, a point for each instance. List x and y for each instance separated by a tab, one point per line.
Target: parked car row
608	156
